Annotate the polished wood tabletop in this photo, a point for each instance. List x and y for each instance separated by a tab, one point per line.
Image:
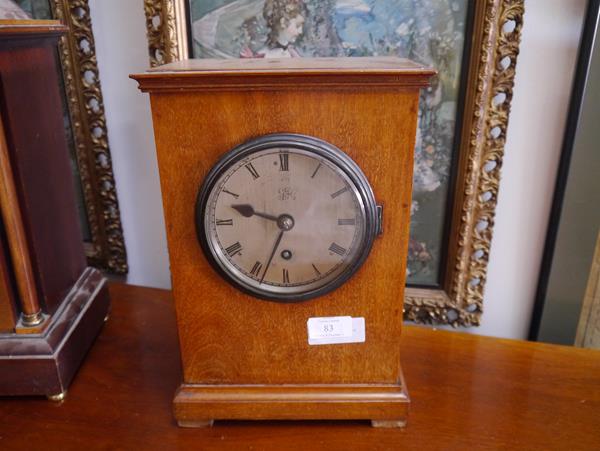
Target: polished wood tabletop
468	392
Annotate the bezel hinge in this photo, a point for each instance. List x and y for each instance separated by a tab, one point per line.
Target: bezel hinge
379	225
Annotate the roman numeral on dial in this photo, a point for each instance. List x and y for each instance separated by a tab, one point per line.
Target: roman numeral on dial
286	276
337	249
316	270
316	170
284	159
224	222
256	268
230	193
349	221
338	192
252	171
235	248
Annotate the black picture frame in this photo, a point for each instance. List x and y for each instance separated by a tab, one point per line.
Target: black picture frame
589	37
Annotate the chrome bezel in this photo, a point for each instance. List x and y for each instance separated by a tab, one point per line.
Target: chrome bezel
333	155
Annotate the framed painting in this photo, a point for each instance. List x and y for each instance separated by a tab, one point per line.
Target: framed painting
462	120
85	126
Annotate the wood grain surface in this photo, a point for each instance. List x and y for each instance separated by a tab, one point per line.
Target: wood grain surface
8	303
367	107
45	363
32	118
290	73
229	337
16	239
31	28
339	66
468	392
40	223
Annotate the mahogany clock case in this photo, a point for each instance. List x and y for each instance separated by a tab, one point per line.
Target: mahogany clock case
43	273
244	358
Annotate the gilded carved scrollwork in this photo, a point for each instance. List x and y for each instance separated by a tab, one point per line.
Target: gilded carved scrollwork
165	22
498	25
84	98
496	36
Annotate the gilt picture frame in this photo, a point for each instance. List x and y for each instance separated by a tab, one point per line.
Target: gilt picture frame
85	126
105	248
488	67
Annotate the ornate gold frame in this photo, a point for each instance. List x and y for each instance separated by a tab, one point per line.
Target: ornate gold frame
492	60
84	98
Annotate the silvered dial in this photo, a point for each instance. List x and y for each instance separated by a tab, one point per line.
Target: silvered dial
286	217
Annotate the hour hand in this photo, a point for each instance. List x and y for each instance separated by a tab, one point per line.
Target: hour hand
247	211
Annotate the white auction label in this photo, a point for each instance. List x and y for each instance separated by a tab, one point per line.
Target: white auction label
335	330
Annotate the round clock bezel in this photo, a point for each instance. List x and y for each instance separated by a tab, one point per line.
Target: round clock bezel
321	149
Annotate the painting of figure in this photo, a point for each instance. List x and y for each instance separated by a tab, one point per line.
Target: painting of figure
9	10
431	32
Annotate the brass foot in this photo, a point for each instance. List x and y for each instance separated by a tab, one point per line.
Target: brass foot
58	397
388	423
195	423
32	320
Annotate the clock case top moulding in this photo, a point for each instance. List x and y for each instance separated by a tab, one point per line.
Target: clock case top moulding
245	358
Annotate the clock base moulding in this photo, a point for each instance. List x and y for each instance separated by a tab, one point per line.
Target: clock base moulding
45	363
384	405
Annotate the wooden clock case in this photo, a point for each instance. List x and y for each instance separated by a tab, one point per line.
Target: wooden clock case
245	358
52	305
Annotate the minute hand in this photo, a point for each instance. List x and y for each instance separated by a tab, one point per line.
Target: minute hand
247	211
277	241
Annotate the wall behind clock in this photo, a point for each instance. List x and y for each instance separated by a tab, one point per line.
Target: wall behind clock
120	51
542	87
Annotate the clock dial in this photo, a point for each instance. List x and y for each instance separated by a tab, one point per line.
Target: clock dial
284	221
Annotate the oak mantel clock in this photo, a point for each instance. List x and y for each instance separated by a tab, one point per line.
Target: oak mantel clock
287	188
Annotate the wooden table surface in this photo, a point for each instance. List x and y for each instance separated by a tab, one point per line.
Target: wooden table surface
468	392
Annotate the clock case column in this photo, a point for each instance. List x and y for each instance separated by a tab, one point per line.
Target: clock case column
245	358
